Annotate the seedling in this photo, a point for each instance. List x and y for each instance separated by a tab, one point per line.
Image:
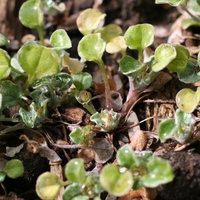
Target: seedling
135	169
181	127
13	169
80	184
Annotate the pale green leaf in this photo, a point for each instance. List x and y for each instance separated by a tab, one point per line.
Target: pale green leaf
90	20
91	48
5	67
48	186
164	54
38	61
139	36
114	181
60	40
187	99
14	168
30	14
75	171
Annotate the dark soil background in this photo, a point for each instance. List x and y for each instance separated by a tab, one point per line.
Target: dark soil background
186	163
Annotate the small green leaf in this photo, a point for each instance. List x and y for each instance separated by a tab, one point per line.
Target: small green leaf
126	157
116	45
5	67
171	2
91	48
11	94
190	74
166	129
115	181
82	80
2	176
75	171
60	40
164	54
14	168
4	40
139	36
83	135
159	172
48	186
110	31
185	122
186	23
129	65
35	115
30	14
83	96
179	64
72	191
90	20
107	119
38	61
187	99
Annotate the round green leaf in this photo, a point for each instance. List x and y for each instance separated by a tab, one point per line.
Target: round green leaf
91	48
75	171
38	61
5	67
48	186
164	54
129	65
166	129
180	62
187	99
83	135
60	39
90	20
83	96
115	181
139	36
30	14
159	172
190	74
14	168
82	80
126	157
185	122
